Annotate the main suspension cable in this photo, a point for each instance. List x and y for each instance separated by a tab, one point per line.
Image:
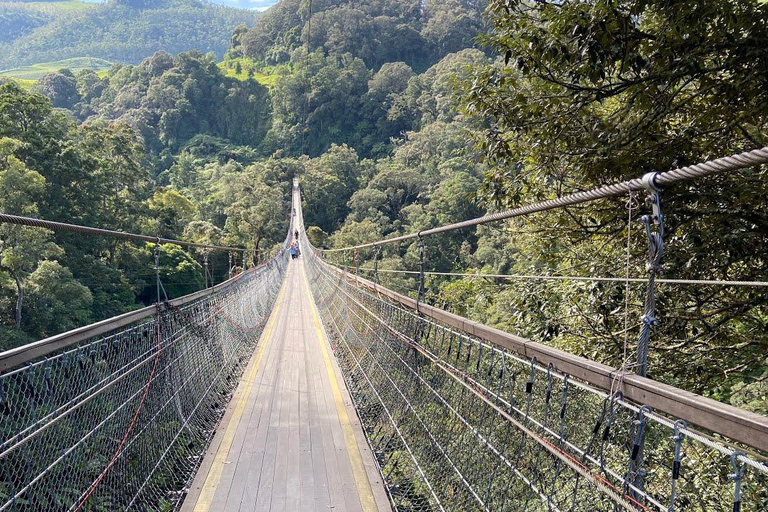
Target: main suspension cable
720	165
538	277
75	228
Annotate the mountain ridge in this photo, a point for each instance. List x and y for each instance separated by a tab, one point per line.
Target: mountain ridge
122	31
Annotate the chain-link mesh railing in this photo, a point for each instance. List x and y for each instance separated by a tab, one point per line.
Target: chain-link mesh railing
120	421
459	424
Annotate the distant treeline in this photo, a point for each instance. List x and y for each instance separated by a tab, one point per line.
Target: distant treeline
120	30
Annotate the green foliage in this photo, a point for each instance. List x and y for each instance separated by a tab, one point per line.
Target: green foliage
15	23
328	98
589	93
450	25
60	87
38	70
317	237
20	247
330	179
244	68
180	274
170	100
634	74
117	31
175	147
257	215
375	31
170	212
96	173
57	302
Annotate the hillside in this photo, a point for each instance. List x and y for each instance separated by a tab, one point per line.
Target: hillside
116	31
38	70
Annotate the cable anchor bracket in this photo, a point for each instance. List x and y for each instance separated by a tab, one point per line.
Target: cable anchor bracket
421	291
654	229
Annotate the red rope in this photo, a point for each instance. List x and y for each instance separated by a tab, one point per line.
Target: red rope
135	418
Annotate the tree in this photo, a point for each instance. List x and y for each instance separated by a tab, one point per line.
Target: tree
180	274
257	216
22	115
171	211
21	248
317	237
236	42
158	63
330	181
384	89
451	25
60	87
431	96
57	302
392	188
623	85
327	95
119	178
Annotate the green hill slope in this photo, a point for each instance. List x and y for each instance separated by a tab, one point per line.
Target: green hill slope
116	31
35	71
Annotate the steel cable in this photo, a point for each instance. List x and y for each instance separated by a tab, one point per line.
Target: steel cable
720	165
75	228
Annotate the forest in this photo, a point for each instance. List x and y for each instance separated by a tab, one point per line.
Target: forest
118	30
399	116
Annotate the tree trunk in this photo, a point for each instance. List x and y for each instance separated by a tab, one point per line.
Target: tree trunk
19	300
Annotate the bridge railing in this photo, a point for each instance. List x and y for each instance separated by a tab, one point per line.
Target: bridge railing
460	420
117	415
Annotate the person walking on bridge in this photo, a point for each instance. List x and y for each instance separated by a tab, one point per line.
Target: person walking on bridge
294	250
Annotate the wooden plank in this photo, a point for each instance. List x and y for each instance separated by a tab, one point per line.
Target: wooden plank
267	476
322	496
206	468
255	466
293	480
242	495
326	440
306	477
288	452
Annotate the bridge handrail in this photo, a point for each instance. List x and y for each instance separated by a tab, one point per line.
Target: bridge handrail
15	357
724	419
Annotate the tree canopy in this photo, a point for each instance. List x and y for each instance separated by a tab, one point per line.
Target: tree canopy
119	30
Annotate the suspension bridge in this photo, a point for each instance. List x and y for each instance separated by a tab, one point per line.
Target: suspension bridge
298	385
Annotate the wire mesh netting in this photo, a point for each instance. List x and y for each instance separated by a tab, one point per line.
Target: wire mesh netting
458	424
121	421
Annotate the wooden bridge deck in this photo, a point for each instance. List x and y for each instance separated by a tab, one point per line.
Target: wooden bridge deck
290	439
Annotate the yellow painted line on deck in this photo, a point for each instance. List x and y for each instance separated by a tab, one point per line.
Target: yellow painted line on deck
208	491
355	459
